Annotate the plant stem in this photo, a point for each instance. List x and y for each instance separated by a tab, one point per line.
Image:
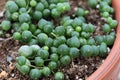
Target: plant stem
54	35
34	36
53	72
27	1
29	10
34	66
47	60
31	60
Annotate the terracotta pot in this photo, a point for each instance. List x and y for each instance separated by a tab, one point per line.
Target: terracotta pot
110	69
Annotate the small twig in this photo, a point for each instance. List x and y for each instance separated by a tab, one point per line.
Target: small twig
2	14
13	52
7	39
73	64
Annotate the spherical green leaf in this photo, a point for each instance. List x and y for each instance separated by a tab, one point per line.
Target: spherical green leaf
25	51
59	76
52	65
11	6
65	60
21	60
17	36
6	25
42	38
74	53
63	49
46	71
86	51
39	61
54	57
35	73
44	54
24	17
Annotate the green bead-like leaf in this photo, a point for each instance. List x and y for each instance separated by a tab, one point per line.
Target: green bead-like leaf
35	73
74	53
6	25
86	51
54	57
25	51
73	42
52	65
63	49
44	54
46	71
39	61
21	60
42	38
11	6
65	60
59	76
103	50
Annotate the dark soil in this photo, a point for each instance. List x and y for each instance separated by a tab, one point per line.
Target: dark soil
79	69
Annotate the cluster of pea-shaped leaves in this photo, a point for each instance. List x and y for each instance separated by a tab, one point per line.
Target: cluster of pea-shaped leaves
51	47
